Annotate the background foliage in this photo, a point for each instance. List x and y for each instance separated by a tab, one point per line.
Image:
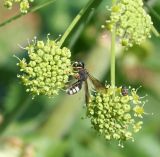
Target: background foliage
54	127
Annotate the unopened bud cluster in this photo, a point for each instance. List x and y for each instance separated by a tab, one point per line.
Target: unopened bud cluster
130	21
116	116
47	69
23	4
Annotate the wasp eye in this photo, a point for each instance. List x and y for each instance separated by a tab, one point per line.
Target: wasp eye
80	64
75	64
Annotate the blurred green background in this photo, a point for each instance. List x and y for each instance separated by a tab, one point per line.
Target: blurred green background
55	127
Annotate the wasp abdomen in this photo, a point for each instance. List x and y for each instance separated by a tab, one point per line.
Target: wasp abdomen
74	88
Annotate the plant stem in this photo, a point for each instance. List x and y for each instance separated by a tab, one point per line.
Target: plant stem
113	49
113	38
152	10
154	30
29	11
84	11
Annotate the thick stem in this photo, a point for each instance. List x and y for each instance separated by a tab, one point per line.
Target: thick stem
29	11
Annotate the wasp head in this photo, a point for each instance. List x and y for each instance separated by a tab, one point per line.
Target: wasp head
78	65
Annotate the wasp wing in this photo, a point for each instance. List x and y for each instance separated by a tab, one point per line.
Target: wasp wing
87	95
97	84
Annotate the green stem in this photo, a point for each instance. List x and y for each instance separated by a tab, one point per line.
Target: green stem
113	49
29	11
153	11
113	38
84	11
154	30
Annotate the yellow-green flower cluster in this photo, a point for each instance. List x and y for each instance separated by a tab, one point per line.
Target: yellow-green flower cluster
23	4
116	116
130	21
47	69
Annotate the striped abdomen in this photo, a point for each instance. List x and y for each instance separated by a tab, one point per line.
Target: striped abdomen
74	88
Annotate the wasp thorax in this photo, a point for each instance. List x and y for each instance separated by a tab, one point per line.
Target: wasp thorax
114	115
44	72
131	22
23	4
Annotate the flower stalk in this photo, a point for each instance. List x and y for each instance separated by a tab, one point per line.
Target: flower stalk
84	12
113	49
29	11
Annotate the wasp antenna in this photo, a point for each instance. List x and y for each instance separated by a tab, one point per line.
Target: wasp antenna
23	48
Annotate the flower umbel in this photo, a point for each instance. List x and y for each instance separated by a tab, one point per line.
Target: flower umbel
47	69
23	4
115	116
131	22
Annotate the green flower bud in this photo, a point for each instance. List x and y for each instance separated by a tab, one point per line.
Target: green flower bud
23	4
43	73
137	126
8	4
40	44
113	115
130	21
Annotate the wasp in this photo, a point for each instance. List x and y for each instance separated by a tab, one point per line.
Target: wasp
124	91
82	75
